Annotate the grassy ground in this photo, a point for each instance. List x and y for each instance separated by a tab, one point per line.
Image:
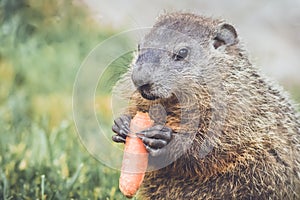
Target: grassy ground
41	48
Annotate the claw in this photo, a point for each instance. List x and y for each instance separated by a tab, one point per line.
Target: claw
154	143
121	128
117	138
155	139
158	132
155	152
115	128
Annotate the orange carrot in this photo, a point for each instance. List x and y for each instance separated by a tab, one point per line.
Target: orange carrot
135	158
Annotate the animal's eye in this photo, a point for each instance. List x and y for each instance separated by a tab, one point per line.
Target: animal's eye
181	54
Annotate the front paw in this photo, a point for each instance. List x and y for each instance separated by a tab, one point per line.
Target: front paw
156	138
121	128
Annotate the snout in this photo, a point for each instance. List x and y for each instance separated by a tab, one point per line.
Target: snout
143	75
143	82
140	76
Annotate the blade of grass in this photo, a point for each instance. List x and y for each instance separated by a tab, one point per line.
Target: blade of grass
43	187
5	185
74	178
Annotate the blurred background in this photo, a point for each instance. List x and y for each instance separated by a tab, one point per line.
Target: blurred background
269	29
42	45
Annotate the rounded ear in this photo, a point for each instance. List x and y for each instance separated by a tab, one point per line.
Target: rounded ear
226	35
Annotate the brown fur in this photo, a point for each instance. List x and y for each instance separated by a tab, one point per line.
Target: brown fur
253	127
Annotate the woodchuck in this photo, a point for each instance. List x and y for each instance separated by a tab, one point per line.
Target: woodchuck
222	130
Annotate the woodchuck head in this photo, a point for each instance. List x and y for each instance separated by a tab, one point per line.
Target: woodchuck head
182	52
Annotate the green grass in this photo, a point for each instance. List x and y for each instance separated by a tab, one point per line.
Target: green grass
68	171
42	44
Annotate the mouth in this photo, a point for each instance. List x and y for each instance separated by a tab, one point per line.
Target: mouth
145	91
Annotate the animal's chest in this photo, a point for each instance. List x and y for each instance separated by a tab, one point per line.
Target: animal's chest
166	114
166	184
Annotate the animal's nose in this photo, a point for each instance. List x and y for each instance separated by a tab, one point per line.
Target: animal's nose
140	77
143	68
